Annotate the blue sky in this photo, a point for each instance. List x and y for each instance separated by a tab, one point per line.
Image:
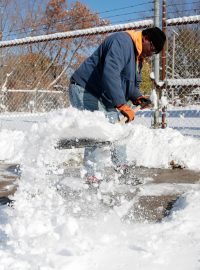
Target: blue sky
102	5
130	10
123	11
120	10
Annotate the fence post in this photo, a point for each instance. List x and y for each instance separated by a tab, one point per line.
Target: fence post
157	24
156	64
2	94
1	36
164	29
163	75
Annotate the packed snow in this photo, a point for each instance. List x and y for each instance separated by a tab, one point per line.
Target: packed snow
46	230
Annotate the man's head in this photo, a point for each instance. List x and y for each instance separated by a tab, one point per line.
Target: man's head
153	40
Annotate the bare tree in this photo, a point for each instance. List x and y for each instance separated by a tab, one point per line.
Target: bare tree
59	57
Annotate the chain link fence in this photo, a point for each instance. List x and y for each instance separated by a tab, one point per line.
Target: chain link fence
35	73
183	74
183	63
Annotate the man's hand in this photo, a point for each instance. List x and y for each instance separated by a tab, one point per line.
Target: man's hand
144	102
127	112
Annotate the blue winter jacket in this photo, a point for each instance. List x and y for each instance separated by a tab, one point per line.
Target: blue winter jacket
110	72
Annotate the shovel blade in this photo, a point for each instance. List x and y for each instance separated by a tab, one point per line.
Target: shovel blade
80	143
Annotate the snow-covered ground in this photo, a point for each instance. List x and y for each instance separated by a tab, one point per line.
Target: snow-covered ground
184	119
45	230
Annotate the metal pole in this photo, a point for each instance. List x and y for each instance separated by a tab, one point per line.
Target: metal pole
173	61
173	53
164	29
173	58
156	64
163	75
1	50
2	94
157	24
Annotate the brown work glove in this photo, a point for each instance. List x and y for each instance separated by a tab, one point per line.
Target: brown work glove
127	112
143	101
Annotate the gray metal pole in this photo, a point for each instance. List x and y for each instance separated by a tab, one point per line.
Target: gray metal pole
173	54
1	36
156	63
1	58
173	61
156	23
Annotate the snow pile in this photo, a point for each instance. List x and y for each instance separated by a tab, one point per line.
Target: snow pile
56	240
153	148
154	98
11	145
45	230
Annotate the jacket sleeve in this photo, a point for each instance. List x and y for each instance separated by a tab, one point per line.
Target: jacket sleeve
138	80
137	92
115	61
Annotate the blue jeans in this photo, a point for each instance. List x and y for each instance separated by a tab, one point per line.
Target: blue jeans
84	100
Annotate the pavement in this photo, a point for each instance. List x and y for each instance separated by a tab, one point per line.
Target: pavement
155	197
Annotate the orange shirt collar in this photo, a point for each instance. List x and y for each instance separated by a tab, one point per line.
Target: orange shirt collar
137	39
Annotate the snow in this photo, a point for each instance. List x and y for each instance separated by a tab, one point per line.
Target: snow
183	82
181	20
154	98
163	101
152	76
45	230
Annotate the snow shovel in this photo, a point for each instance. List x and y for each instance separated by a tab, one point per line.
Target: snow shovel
87	142
81	143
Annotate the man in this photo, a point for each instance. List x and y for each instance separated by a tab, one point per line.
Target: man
110	77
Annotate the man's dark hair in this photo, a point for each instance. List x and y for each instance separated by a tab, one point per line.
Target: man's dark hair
156	36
